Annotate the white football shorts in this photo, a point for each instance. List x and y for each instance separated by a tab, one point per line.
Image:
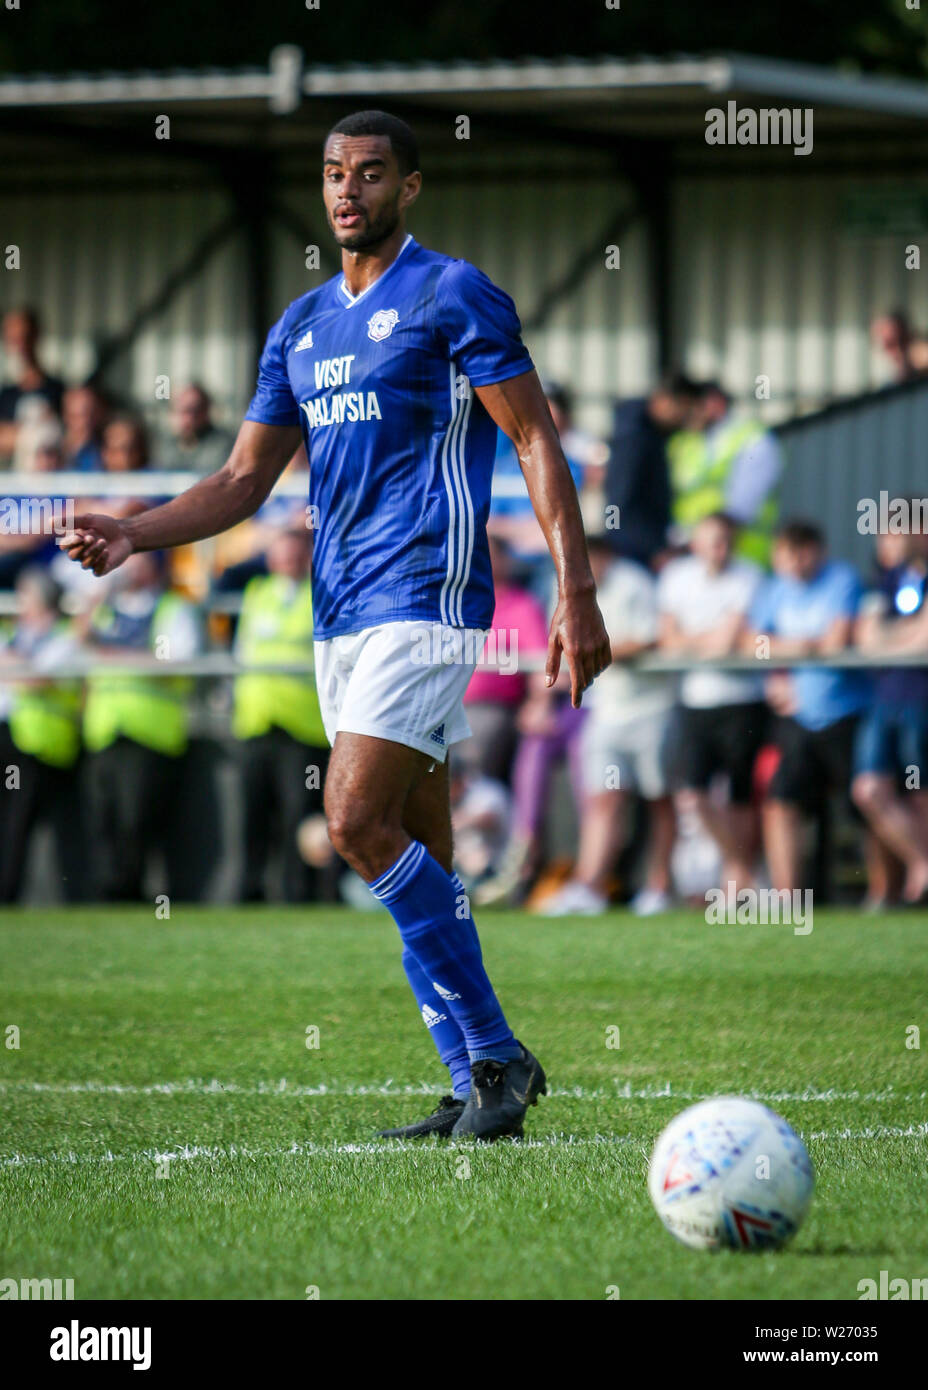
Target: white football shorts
402	681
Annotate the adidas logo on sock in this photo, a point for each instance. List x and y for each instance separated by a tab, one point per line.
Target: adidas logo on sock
445	993
431	1016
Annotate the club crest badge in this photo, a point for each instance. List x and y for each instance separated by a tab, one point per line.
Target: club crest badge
382	324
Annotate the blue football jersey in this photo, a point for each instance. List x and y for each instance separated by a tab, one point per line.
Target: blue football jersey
400	449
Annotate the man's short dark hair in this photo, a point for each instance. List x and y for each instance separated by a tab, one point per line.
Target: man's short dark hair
798	534
713	388
205	398
402	141
559	395
678	384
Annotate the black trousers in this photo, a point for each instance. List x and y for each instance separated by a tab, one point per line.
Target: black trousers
44	796
277	799
133	797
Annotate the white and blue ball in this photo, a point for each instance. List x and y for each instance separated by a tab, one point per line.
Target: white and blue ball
730	1173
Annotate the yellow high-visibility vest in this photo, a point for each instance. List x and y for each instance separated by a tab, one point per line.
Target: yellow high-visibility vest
45	719
275	627
699	479
153	711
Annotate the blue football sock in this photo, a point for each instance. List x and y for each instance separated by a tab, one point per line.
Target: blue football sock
445	1033
498	1053
433	917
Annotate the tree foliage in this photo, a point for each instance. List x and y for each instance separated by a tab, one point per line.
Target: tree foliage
90	35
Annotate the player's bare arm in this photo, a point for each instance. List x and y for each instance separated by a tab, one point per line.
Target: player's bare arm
519	408
259	456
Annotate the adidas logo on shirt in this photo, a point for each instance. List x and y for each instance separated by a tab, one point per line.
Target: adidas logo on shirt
431	1016
305	342
445	993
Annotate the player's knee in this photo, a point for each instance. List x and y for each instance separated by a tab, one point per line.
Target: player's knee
361	837
348	827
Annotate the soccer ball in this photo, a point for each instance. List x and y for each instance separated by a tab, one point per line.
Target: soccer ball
730	1173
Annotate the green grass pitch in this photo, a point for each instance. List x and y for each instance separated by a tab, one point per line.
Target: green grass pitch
167	1133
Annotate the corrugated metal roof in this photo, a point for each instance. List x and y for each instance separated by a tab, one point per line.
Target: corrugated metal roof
81	88
717	73
278	85
285	77
524	75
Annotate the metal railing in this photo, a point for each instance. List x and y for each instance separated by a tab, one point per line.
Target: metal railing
147	482
153	484
219	665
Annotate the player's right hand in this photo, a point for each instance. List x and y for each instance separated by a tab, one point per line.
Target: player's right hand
96	542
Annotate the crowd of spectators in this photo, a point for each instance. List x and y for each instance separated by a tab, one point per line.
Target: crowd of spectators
734	770
97	737
714	766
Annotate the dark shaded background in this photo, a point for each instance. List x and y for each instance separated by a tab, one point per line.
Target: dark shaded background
68	35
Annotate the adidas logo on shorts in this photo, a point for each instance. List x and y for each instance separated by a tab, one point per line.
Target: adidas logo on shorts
438	736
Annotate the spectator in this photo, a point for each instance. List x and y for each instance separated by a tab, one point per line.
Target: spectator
32	393
512	516
891	749
38	450
622	742
723	463
284	751
807	608
637	472
480	810
493	698
84	413
720	722
125	445
38	446
918	356
196	444
892	335
136	722
44	741
549	733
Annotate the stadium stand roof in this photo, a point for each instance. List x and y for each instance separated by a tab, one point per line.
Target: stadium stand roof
618	86
789	257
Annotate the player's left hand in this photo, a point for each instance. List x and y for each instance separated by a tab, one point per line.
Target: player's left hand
578	631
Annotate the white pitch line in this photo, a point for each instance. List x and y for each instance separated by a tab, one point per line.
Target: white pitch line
563	1142
620	1091
188	1152
873	1132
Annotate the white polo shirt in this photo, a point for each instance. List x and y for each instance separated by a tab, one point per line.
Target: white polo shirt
699	601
